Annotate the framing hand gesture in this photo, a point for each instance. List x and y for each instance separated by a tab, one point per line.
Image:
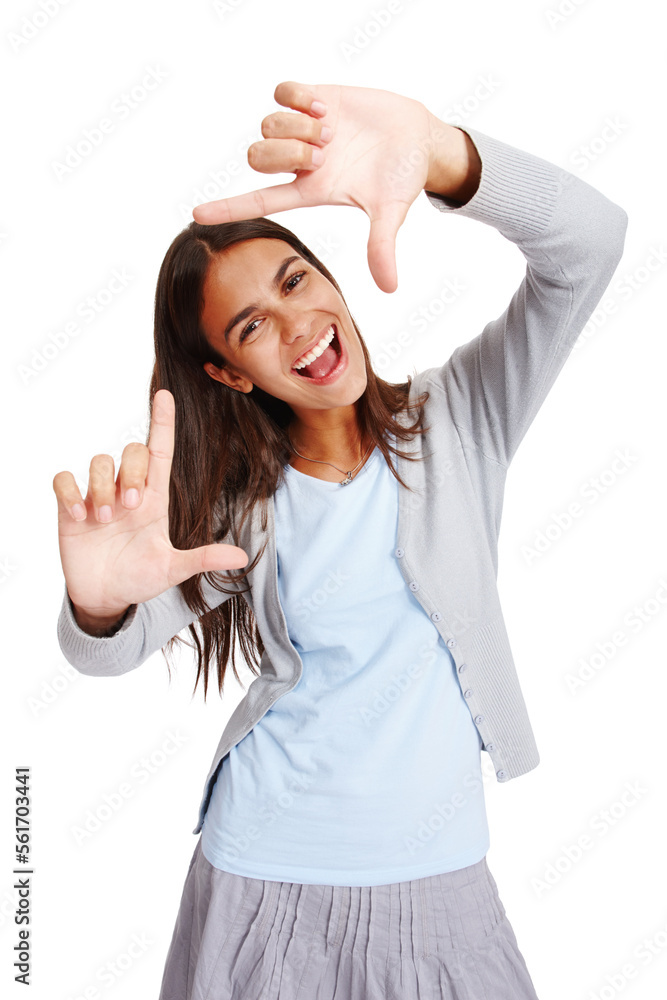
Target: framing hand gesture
109	565
376	151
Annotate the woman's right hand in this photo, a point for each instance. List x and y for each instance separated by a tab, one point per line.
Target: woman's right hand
128	559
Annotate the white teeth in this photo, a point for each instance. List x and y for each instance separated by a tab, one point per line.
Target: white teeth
317	350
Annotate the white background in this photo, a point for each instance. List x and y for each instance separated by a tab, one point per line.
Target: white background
544	81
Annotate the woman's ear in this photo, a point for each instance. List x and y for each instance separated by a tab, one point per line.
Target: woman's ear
228	377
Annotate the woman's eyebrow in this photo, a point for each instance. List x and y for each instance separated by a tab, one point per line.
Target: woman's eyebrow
277	278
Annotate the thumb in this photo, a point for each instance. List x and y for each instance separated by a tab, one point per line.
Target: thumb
381	250
253	205
206	559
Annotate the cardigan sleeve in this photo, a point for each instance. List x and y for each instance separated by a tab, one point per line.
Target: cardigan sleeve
147	628
572	238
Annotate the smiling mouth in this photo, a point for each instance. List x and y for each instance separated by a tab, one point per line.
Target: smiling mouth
322	366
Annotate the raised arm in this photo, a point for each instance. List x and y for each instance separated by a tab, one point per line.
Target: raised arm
572	237
380	152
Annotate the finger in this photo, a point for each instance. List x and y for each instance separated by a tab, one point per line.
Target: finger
282	156
254	205
69	496
300	97
132	473
207	559
281	125
381	250
161	442
102	487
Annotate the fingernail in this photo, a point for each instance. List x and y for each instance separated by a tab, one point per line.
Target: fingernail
79	512
132	498
326	133
106	513
318	108
318	157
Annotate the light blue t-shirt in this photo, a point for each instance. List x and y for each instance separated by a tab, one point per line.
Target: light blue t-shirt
369	770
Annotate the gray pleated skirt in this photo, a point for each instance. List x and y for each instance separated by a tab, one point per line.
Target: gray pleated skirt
239	938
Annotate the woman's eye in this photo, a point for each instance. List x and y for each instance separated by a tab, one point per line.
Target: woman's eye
248	329
296	278
289	281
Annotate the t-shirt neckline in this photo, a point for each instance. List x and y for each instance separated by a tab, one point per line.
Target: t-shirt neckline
325	482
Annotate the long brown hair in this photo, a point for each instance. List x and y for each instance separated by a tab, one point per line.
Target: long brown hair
230	447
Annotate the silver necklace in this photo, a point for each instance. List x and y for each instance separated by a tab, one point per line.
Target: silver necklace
348	478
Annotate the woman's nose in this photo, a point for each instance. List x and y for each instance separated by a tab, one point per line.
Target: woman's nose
297	326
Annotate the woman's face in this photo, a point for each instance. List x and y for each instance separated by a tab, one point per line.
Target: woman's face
263	312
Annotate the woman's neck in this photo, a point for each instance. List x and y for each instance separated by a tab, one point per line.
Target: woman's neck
326	437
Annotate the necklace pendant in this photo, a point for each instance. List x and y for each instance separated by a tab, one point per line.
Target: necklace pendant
345	482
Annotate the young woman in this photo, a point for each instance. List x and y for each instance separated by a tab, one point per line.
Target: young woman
343	829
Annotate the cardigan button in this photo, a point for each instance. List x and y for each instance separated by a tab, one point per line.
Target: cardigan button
414	585
463	667
451	643
490	746
467	693
501	774
436	616
479	718
399	552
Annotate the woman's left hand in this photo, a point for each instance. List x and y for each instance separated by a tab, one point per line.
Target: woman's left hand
383	151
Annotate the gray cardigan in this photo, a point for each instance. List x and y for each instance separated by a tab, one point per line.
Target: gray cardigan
482	401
